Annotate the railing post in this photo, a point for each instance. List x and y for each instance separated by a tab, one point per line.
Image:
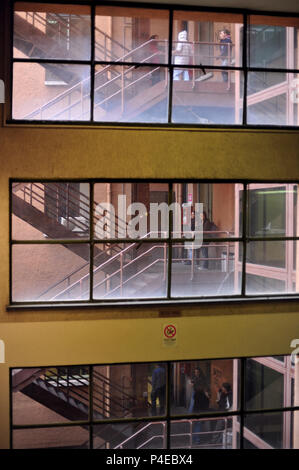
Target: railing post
193	71
165	262
122	90
121	272
164	435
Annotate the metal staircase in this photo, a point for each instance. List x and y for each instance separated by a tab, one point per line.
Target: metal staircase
67	394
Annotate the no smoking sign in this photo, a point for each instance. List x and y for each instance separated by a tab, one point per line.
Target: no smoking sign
170	334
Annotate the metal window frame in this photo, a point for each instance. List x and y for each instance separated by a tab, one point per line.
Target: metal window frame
245	68
238	415
243	240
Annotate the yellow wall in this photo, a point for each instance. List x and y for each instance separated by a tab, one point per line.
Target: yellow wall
126	334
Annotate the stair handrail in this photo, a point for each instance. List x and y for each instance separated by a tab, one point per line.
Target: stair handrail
134	275
79	196
79	378
65	93
100	267
43	21
133	436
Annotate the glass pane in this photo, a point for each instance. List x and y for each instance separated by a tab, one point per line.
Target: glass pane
207	38
271	267
264	386
272	210
204	386
131	94
131	34
131	210
204	434
148	435
272	430
212	97
130	270
44	31
50	272
129	390
272	98
52	438
218	208
209	270
273	41
50	395
50	211
56	92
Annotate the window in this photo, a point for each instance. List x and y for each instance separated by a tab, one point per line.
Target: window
115	64
100	242
178	404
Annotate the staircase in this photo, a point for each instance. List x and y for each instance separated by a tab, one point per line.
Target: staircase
121	93
68	395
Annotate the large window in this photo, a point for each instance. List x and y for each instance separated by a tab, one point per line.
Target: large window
116	64
199	404
99	242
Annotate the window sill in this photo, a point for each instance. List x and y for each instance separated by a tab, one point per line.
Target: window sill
150	303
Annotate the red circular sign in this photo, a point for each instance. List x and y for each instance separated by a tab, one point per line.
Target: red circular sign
170	331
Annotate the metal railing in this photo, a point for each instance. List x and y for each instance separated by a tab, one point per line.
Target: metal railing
109	399
191	435
123	81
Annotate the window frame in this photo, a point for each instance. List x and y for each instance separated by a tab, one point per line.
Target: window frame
242	240
245	69
239	414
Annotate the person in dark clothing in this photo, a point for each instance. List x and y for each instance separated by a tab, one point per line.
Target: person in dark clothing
200	401
158	389
225	50
207	226
225	403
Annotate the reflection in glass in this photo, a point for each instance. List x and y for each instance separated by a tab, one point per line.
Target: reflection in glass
151	435
69	100
131	34
208	270
272	430
267	210
273	42
129	390
130	270
52	438
65	275
44	31
272	210
271	98
264	386
271	267
131	94
206	98
50	211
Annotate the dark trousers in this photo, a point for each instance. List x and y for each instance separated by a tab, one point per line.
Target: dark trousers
158	393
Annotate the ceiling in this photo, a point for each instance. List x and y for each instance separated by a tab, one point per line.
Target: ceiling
262	5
